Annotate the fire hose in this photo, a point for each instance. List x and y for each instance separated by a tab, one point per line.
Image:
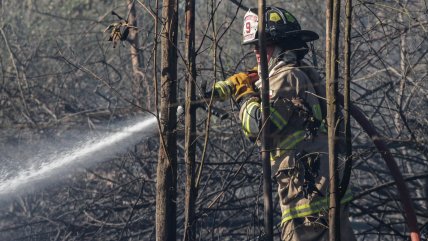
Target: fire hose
387	156
358	115
201	104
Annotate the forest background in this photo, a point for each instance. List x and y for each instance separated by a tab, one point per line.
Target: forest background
60	79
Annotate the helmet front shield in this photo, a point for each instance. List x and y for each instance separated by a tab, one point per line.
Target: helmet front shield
249	32
280	25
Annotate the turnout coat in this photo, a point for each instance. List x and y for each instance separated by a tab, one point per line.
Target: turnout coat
299	150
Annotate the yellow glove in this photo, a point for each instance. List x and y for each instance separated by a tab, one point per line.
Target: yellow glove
238	85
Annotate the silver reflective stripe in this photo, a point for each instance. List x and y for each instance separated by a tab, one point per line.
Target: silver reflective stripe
247	115
304	210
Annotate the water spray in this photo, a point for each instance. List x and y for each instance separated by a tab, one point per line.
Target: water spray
44	165
92	149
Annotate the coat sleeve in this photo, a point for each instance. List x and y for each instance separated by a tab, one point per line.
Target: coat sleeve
283	87
250	116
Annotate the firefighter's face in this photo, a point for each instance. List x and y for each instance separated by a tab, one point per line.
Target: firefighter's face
269	52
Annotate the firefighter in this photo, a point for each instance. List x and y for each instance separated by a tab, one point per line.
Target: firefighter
299	156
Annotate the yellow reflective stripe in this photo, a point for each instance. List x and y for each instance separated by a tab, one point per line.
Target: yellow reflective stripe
247	115
222	89
293	139
277	119
314	208
275	122
346	198
289	143
272	157
311	208
316	109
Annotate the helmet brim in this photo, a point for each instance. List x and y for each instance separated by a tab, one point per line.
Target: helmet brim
304	35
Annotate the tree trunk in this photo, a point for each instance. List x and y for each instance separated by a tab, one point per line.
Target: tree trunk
332	90
136	55
329	8
166	184
266	147
190	124
347	95
404	72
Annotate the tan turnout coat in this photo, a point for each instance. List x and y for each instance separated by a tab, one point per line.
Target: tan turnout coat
304	215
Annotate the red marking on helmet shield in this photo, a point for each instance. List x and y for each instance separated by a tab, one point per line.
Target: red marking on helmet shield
250	26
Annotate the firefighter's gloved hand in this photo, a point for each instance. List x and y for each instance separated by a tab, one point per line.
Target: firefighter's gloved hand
238	86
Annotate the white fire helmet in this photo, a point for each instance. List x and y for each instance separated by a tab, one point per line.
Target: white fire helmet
280	25
251	21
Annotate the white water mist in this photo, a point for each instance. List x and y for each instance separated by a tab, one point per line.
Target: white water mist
45	166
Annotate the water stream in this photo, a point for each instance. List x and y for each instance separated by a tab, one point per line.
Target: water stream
45	166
